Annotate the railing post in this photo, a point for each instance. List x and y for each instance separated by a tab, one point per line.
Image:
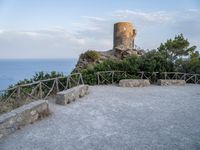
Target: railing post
57	86
195	79
113	77
142	74
18	92
81	78
165	75
98	80
40	90
68	85
67	82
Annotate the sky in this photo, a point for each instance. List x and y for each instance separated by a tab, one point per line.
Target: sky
66	28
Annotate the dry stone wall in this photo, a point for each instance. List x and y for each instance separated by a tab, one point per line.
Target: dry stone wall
14	120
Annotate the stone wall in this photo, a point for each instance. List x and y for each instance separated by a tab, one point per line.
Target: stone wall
14	120
72	94
171	82
134	83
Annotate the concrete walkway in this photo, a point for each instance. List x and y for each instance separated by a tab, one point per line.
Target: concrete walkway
116	118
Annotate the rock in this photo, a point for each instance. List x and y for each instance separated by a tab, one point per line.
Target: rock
134	83
129	53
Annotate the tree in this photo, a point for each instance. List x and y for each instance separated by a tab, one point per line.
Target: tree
194	62
176	48
154	61
189	65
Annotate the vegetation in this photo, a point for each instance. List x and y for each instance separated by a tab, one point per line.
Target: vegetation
91	55
176	48
174	55
40	76
183	57
11	104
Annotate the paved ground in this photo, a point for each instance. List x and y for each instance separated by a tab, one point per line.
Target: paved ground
114	118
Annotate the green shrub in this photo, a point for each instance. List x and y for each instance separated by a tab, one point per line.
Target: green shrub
91	55
129	65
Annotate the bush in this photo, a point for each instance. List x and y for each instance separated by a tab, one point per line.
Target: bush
130	65
91	55
154	61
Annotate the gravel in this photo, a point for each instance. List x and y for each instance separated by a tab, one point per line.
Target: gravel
118	118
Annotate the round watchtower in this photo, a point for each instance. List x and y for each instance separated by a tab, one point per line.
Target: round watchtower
124	34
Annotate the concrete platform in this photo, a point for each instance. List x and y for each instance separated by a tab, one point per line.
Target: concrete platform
118	118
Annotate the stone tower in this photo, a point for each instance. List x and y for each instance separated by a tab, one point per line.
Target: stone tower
124	35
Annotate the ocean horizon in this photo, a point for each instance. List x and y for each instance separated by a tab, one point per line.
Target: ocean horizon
14	70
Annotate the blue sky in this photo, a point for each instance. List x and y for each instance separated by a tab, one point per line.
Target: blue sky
64	29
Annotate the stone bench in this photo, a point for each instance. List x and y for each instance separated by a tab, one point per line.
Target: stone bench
171	82
29	113
134	83
67	96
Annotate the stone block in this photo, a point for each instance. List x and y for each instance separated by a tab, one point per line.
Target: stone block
67	96
11	121
83	90
134	83
171	82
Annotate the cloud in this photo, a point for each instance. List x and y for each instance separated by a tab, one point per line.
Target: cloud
91	18
156	27
193	10
152	27
93	32
146	17
42	44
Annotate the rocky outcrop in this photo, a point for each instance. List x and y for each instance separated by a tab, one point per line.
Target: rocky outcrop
85	62
134	83
116	54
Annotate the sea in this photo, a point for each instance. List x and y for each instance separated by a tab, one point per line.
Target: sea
14	70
